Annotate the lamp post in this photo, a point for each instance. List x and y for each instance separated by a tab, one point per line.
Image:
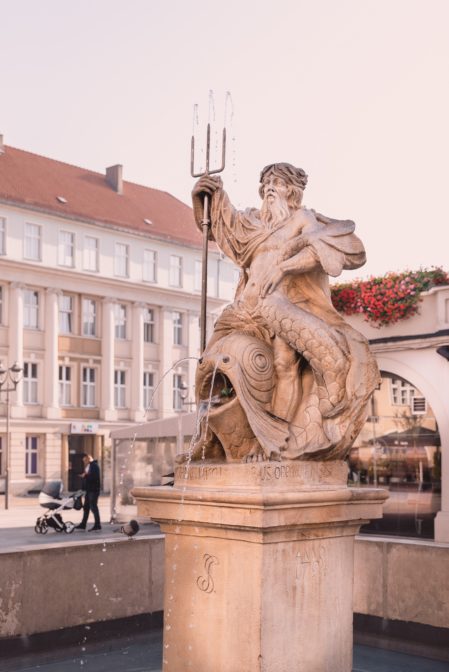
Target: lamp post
184	393
9	379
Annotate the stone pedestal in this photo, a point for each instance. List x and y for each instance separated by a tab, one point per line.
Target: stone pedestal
259	565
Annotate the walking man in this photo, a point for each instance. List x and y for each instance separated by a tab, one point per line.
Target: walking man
91	485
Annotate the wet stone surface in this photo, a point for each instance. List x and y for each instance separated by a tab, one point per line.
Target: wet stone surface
143	653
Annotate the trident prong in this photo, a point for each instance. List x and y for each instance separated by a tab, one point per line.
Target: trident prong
205	222
192	155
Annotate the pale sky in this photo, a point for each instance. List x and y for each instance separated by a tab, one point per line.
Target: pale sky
356	92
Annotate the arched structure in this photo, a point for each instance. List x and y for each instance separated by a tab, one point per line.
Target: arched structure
417	350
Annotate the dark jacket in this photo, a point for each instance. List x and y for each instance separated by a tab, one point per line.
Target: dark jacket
91	480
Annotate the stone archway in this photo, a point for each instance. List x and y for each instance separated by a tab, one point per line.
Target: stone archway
408	348
429	372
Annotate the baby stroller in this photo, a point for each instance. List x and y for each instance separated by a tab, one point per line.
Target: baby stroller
51	498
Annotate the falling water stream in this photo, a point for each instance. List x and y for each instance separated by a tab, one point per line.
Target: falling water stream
203	409
205	404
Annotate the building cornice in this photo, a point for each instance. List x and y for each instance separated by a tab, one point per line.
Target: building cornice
410	341
100	223
95	284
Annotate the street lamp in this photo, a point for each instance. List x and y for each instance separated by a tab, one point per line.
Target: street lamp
184	393
9	379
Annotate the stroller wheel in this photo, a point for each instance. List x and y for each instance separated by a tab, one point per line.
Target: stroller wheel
69	527
44	528
37	528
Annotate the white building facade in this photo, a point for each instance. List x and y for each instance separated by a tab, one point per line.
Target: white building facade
103	316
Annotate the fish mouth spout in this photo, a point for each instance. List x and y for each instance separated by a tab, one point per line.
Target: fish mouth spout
216	391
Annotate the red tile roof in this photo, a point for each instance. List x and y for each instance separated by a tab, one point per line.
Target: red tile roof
35	181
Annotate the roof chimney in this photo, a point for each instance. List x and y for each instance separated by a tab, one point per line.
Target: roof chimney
2	148
114	178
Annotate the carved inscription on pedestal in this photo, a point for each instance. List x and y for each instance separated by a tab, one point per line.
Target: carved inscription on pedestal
272	475
310	563
309	472
195	473
206	582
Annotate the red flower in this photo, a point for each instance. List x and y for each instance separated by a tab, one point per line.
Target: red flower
385	300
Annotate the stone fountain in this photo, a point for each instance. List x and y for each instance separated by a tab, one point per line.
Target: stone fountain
260	523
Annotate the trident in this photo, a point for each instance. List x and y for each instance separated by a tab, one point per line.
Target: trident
205	222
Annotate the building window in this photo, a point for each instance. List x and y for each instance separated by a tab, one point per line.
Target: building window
148	325
2	235
218	277
65	386
65	314
32	242
149	265
148	388
1	456
29	383
235	277
177	328
89	317
175	271
30	309
31	455
66	248
90	253
121	260
402	392
88	387
198	275
119	388
120	321
177	390
1	305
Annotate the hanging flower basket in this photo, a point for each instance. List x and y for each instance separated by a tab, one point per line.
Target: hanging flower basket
387	299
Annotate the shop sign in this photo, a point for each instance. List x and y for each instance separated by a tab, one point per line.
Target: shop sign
84	428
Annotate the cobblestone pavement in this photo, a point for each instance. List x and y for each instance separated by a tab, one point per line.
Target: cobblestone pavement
17	526
23	511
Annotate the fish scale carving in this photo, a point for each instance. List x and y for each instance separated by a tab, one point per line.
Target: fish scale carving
325	357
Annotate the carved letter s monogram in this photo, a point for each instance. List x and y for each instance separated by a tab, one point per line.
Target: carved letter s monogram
206	583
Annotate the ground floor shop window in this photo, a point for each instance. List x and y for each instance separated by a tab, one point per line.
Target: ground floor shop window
141	462
31	455
399	449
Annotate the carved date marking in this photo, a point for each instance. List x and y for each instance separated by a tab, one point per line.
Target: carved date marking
310	563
